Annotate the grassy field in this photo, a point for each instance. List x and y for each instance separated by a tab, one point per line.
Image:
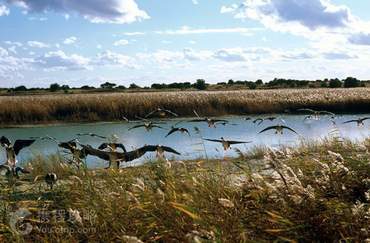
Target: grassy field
318	192
111	107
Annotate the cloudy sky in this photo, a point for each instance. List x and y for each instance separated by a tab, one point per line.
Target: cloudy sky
143	41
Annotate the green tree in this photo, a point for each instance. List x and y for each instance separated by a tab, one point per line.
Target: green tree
335	83
134	86
20	88
351	82
54	87
108	85
200	84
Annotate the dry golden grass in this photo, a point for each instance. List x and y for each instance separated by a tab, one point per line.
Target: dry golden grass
315	193
111	107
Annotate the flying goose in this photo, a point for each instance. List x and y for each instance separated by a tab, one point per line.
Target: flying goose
161	113
210	121
91	135
278	129
147	125
226	143
360	121
316	114
177	129
51	179
78	154
112	147
12	150
118	157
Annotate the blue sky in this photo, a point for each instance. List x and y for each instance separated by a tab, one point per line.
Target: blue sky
142	41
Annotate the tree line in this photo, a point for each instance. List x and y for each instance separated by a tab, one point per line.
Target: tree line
201	84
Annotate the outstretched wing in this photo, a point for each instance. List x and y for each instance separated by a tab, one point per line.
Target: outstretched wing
91	135
103	146
20	144
220	120
157	126
170	112
307	110
213	140
4	140
137	126
172	131
327	113
120	145
170	150
238	142
102	154
365	118
197	120
68	145
290	129
259	120
269	128
151	113
350	121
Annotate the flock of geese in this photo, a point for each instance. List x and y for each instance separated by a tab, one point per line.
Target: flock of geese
116	153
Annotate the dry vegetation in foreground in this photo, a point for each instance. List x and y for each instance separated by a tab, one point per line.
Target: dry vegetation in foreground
110	107
314	193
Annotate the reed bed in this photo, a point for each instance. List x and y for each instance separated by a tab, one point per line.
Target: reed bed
111	107
318	192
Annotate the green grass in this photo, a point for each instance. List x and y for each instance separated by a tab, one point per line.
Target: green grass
111	107
318	192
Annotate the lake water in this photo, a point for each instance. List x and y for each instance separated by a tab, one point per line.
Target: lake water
190	147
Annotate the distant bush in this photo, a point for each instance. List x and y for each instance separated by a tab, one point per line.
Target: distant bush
352	82
335	83
20	88
200	84
134	86
54	87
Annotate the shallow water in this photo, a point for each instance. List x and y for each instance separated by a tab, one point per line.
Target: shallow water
190	147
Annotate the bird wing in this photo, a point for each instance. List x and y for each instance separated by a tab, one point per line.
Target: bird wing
258	119
5	140
269	128
213	140
365	118
197	120
172	131
327	113
290	129
23	170
187	131
170	150
151	113
307	110
170	112
20	144
103	146
238	142
68	145
350	121
91	135
220	120
102	154
137	126
120	145
157	126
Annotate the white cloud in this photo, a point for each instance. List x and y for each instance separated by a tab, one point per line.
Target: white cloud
109	58
230	55
133	33
70	40
108	11
195	2
186	30
12	66
37	44
58	60
122	42
229	9
4	10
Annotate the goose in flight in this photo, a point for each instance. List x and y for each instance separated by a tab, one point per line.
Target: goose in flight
278	129
118	157
91	135
161	113
259	121
78	154
226	143
210	121
12	150
148	125
177	129
316	114
360	121
112	147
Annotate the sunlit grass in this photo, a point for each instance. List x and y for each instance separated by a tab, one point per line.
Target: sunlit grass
111	107
318	192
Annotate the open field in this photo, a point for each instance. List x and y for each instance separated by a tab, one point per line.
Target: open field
318	192
111	107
